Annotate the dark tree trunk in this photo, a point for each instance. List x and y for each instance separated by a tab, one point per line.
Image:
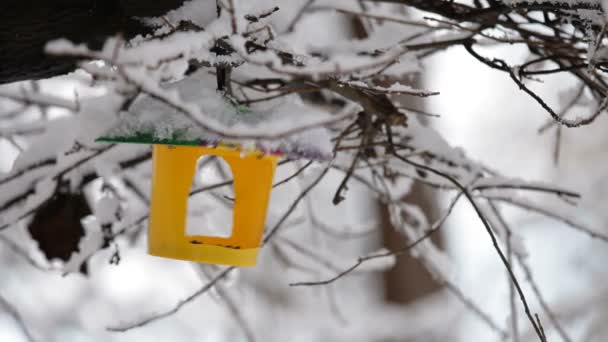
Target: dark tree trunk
409	280
27	25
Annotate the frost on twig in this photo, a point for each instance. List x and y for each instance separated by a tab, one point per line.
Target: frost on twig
259	77
12	311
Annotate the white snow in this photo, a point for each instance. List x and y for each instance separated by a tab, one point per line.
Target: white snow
197	93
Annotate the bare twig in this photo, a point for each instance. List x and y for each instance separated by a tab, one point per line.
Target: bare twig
474	308
483	219
434	227
12	311
550	214
152	318
232	308
294	175
272	231
529	276
224	273
299	15
13	246
512	293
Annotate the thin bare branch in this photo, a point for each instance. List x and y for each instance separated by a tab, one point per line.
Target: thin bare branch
12	311
155	317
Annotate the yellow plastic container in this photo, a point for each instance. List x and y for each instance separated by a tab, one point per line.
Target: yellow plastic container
173	172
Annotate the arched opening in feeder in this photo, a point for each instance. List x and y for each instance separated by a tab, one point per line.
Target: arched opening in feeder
210	207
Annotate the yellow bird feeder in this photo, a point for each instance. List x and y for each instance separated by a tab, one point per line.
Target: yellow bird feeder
174	166
173	171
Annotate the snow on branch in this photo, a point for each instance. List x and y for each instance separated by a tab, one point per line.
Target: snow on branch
249	77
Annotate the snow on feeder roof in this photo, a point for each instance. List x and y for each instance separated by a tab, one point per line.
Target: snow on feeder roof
179	140
261	127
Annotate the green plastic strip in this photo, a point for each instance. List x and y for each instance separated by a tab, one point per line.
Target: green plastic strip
143	138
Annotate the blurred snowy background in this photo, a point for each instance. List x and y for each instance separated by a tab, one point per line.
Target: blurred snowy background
481	111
